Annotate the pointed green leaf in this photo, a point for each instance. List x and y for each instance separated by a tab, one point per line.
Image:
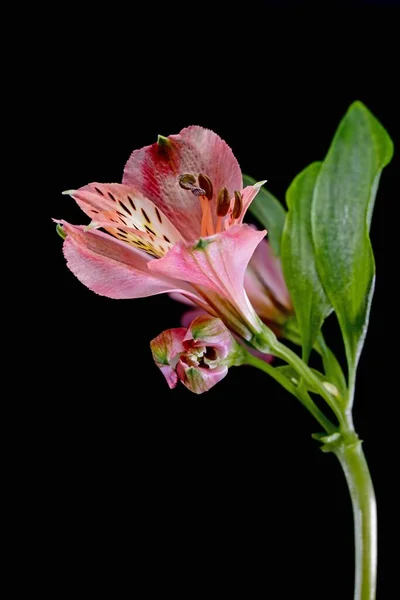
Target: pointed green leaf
298	260
269	212
341	212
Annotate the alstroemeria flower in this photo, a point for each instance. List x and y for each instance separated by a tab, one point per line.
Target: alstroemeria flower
173	225
198	356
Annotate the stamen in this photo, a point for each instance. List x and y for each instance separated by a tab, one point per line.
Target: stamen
203	189
238	205
209	220
188	182
206	184
223	202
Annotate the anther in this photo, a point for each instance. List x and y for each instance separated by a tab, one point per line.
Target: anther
223	202
206	185
238	205
188	182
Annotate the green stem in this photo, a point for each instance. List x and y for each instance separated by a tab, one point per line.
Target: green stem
362	494
347	447
282	351
302	395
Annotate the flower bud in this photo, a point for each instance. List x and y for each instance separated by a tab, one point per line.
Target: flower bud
198	356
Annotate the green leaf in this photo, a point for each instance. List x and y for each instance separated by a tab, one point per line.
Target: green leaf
341	212
298	260
269	212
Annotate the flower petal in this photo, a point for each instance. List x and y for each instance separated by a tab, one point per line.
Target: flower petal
265	276
208	331
248	195
199	380
123	211
166	349
218	264
112	268
155	169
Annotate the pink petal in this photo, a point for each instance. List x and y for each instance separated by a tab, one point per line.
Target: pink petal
112	268
198	379
182	299
190	315
208	331
217	264
166	349
128	215
154	170
265	273
170	375
259	298
248	195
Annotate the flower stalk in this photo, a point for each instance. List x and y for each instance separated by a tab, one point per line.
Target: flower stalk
343	441
362	494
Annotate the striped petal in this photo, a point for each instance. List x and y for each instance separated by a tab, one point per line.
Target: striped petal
199	380
166	349
114	269
127	215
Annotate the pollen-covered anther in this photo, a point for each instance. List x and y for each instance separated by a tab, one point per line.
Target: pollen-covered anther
238	205
223	202
189	182
206	184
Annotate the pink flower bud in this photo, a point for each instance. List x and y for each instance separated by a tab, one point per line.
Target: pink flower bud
198	356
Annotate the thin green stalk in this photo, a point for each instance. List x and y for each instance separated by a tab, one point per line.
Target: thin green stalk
301	394
347	447
281	351
362	494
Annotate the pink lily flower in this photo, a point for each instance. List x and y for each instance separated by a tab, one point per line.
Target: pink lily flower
198	356
175	224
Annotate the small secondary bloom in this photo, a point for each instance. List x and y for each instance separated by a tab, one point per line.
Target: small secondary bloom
198	356
175	224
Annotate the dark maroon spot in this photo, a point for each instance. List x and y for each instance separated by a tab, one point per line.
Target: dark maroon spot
96	212
121	231
111	196
136	227
145	216
158	214
131	202
125	208
166	239
149	230
98	191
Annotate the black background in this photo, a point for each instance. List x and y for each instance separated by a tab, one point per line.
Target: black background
224	493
